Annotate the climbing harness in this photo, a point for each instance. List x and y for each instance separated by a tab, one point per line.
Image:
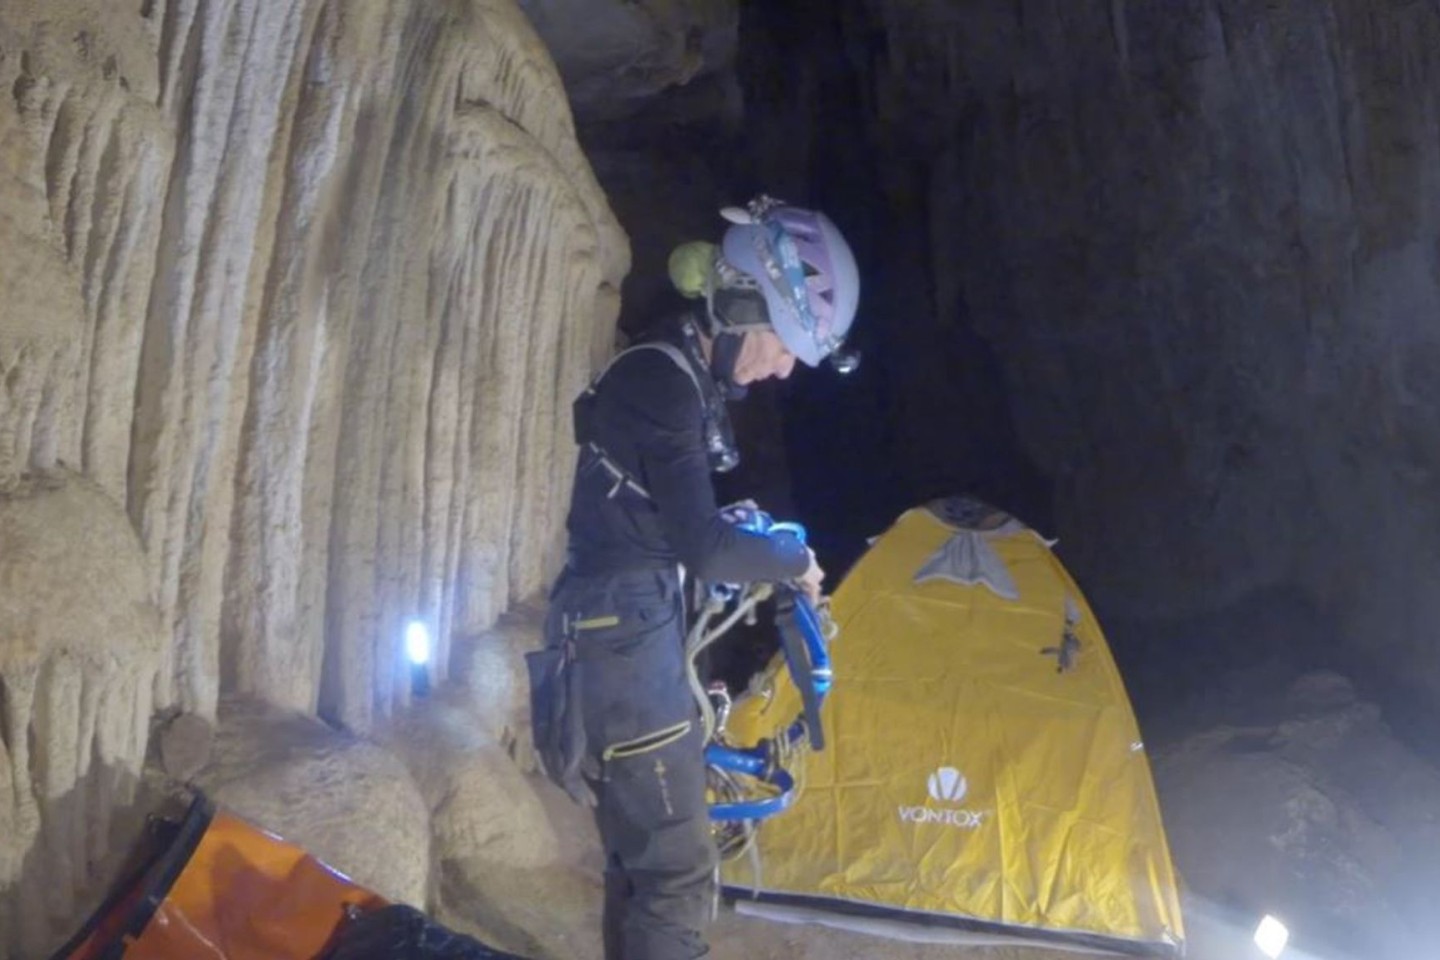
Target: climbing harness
750	784
720	446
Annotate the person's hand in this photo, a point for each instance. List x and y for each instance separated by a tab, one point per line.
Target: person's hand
742	511
811	579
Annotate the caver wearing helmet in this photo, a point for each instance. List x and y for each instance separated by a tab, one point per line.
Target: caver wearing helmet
779	268
614	718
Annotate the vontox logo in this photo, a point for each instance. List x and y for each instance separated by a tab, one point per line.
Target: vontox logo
946	785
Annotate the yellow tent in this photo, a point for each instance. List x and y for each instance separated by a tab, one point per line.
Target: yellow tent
983	778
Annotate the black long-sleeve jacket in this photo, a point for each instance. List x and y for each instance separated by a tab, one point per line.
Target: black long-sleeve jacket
648	417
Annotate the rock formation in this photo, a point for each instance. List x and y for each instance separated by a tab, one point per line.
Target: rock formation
301	290
617	55
1316	814
295	293
351	803
1194	244
80	655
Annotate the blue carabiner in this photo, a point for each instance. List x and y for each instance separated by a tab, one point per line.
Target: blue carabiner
758	762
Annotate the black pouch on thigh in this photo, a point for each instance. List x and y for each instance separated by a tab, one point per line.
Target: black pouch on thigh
557	714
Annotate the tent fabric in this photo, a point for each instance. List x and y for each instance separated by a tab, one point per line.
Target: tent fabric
968	560
967	785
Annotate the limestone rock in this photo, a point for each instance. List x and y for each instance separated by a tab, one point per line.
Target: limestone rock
1195	246
503	866
80	655
40	329
307	286
492	683
185	744
540	906
485	809
617	55
1201	243
1323	818
347	801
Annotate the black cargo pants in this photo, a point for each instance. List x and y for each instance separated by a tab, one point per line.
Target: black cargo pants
644	758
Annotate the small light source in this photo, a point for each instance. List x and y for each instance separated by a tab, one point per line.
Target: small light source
417	642
1271	937
845	362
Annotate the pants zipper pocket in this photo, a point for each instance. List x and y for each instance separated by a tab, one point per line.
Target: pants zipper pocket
646	743
596	623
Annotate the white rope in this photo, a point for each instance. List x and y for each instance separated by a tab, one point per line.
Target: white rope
699	639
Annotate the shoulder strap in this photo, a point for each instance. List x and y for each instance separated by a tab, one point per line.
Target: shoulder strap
676	355
620	477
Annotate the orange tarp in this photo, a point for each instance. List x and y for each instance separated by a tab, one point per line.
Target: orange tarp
244	895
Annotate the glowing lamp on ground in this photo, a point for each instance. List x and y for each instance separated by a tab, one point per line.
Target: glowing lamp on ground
1271	937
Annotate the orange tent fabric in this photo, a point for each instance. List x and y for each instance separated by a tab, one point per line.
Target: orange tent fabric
242	894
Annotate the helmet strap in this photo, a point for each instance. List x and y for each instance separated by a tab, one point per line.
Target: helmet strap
724	354
719	436
739	310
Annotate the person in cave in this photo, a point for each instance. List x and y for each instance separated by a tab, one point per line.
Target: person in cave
616	724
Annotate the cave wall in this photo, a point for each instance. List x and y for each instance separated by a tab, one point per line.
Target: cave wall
617	56
1157	276
301	289
80	654
1201	240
